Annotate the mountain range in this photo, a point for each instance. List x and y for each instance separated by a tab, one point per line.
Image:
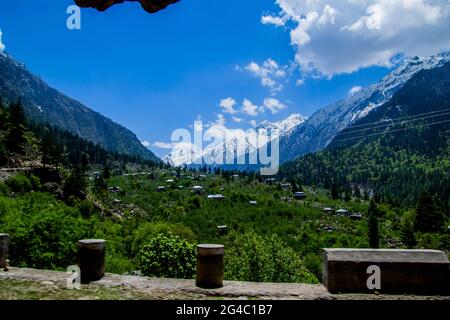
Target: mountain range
396	152
44	104
184	153
301	135
298	135
319	130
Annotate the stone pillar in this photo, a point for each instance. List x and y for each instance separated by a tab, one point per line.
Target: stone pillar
91	259
222	230
4	247
210	268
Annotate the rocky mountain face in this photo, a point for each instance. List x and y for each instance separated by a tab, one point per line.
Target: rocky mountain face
320	129
150	6
47	105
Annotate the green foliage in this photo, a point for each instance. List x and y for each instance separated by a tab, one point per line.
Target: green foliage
19	184
251	257
75	185
44	232
407	230
374	236
15	137
429	216
147	231
168	256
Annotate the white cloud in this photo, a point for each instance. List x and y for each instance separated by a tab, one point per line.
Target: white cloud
334	37
163	145
269	73
145	143
227	105
237	120
273	105
249	108
278	21
2	46
354	90
252	123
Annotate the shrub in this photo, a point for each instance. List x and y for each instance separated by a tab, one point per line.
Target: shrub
44	232
168	256
19	184
4	190
251	257
147	231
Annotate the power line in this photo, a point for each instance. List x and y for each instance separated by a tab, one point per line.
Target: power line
396	119
392	124
396	130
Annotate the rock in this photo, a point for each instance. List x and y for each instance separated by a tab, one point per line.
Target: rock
151	6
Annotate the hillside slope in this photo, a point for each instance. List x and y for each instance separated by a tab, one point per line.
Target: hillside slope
396	151
47	105
319	130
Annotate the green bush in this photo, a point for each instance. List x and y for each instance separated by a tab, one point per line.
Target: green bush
168	256
118	264
251	257
147	231
4	190
19	184
44	232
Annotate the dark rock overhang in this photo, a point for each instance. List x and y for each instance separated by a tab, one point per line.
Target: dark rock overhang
151	6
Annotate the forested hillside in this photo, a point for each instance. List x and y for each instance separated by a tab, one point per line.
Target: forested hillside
396	152
46	105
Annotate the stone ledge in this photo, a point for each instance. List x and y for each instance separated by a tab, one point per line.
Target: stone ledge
399	271
134	287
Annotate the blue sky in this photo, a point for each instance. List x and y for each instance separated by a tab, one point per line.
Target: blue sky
156	73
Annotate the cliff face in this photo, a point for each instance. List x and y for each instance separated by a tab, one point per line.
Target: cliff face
151	6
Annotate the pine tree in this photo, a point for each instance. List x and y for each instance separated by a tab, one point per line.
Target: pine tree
106	174
429	216
15	138
3	116
100	184
75	184
51	153
374	236
334	192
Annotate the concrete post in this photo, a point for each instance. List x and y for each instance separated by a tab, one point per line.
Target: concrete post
210	267
222	230
91	259
4	247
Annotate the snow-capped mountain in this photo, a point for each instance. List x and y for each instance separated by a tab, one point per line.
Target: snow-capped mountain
319	130
284	126
236	144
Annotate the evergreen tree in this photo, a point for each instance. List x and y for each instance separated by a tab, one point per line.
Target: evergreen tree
15	138
51	154
334	192
429	216
75	184
374	236
3	116
100	184
106	174
407	231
